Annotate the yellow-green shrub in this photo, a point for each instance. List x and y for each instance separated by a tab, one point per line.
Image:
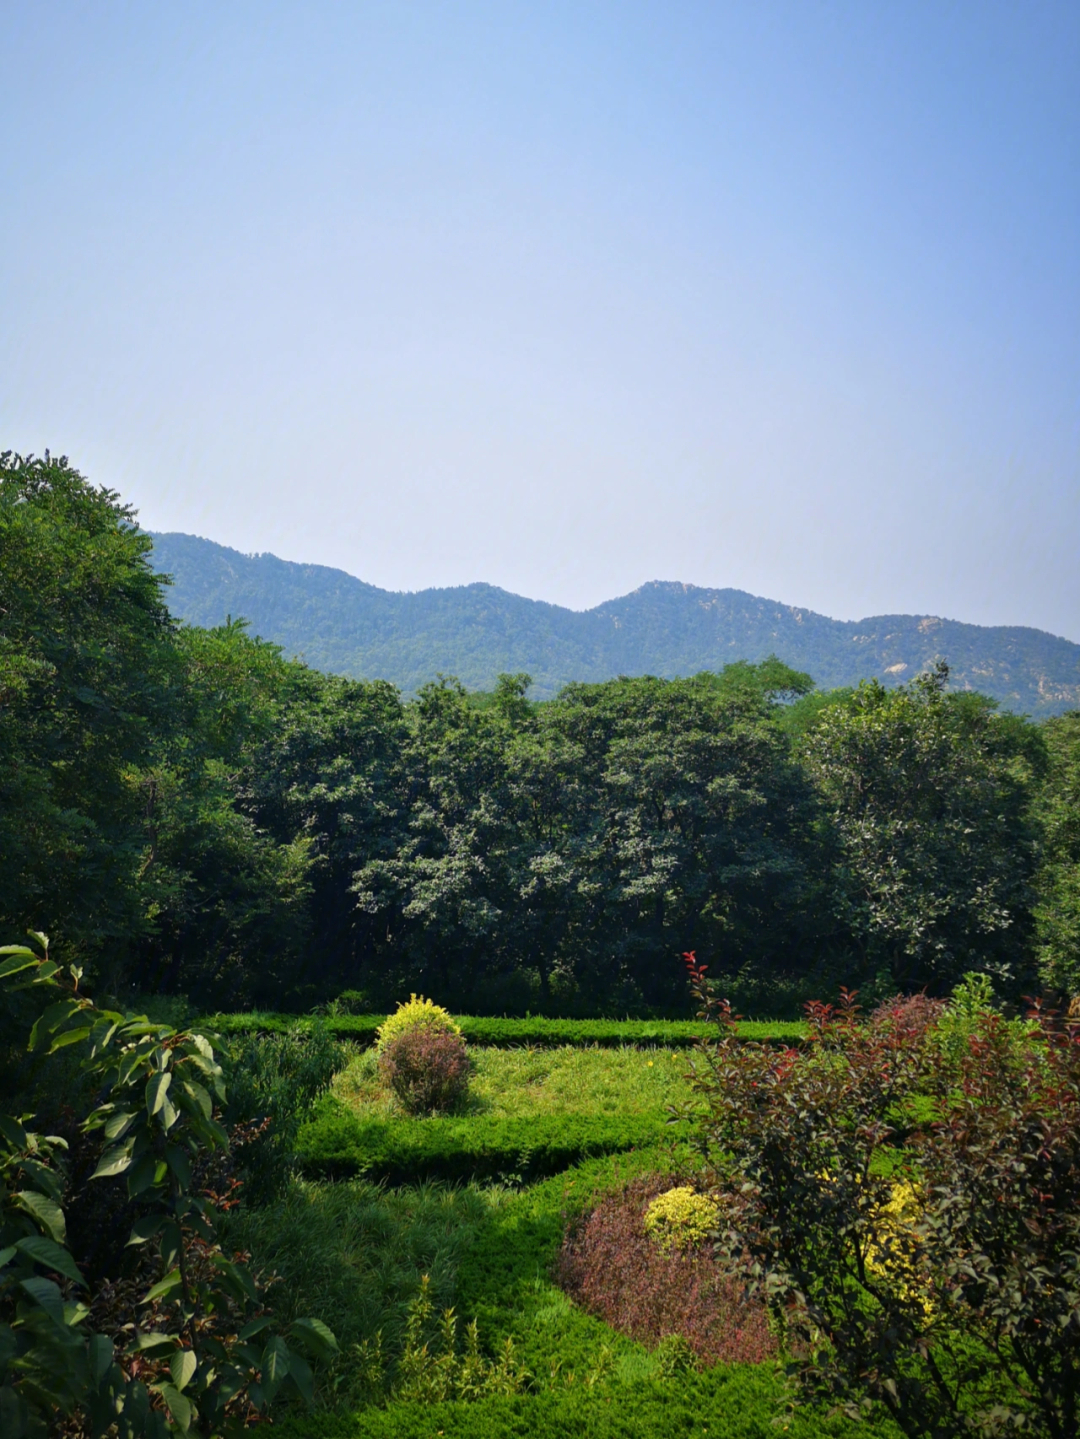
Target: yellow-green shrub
419	1013
680	1218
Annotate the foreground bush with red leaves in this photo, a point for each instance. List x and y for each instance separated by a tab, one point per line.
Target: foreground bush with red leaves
930	1265
611	1267
427	1069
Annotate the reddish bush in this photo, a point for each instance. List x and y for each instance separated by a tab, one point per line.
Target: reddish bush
915	1013
427	1068
963	1319
611	1267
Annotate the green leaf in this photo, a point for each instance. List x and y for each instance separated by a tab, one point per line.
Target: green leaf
152	1341
114	1160
199	1096
16	964
157	1086
182	1367
46	1211
315	1337
178	1162
274	1365
255	1327
69	1036
13	1132
45	1293
146	1228
180	1409
50	1254
117	1125
146	1171
49	1022
168	1285
100	1351
301	1375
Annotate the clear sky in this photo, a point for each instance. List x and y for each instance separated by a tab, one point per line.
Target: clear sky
778	294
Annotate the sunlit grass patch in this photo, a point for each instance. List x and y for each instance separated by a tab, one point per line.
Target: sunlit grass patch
517	1083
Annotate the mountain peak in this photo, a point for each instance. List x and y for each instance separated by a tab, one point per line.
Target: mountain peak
342	624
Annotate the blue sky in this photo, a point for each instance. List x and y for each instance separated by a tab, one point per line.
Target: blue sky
564	297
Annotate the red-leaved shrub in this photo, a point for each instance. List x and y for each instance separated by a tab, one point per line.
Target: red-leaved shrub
427	1069
610	1266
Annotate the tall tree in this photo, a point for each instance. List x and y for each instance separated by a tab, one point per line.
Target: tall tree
89	674
930	798
1058	909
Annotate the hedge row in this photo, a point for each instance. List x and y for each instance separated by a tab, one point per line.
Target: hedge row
730	1402
549	1033
338	1144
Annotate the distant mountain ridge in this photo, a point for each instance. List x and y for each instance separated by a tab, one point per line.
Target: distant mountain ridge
338	623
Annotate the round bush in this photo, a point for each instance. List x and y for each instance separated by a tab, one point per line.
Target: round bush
426	1067
612	1266
680	1218
419	1013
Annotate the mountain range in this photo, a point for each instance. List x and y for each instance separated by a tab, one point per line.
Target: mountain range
338	623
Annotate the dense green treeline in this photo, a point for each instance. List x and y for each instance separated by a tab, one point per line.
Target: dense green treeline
192	813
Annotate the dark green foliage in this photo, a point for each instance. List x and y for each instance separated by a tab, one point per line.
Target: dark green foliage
340	624
336	1143
1058	910
202	816
194	1352
273	1083
548	1033
928	795
596	836
88	677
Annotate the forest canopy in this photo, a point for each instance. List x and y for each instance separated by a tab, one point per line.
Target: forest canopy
186	811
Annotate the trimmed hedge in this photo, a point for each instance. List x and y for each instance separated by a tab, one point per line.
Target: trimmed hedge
736	1402
547	1033
338	1144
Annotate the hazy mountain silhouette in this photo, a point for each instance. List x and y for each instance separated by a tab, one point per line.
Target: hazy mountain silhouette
338	623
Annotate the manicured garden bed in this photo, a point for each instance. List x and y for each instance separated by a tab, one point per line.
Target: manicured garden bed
555	1129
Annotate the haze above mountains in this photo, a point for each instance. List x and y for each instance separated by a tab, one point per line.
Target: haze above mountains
336	622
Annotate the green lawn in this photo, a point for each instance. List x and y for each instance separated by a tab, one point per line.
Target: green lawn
524	1083
353	1253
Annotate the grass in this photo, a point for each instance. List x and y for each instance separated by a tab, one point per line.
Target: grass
523	1083
353	1253
529	1113
536	1031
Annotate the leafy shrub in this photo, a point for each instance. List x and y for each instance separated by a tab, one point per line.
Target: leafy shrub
181	1355
433	1368
417	1014
273	1083
681	1218
349	1001
427	1069
948	1288
612	1267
